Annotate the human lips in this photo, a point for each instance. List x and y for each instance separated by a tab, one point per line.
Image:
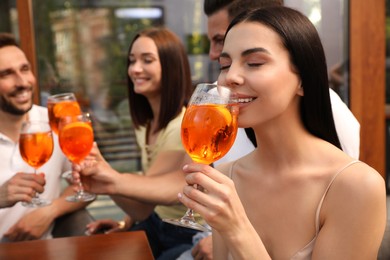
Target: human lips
139	81
22	95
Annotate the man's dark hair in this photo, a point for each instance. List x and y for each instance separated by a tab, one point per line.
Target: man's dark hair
238	6
7	39
235	7
212	6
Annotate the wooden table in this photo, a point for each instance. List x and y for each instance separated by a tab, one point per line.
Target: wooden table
115	246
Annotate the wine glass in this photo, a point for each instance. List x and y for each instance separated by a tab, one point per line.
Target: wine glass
64	104
36	147
76	140
208	131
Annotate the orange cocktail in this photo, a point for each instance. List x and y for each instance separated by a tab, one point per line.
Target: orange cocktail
36	148
76	140
61	105
208	131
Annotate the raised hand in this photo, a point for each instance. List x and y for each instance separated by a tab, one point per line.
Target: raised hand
96	172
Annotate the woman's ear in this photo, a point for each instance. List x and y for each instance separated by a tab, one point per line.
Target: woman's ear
300	91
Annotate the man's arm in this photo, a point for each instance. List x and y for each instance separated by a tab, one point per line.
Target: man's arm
36	223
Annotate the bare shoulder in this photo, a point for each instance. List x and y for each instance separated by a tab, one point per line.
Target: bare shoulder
355	204
356	189
360	177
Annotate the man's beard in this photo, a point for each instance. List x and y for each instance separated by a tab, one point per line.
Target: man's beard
9	108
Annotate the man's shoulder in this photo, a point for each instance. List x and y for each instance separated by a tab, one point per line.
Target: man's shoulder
38	113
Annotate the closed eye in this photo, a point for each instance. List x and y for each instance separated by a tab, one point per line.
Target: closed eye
221	67
255	64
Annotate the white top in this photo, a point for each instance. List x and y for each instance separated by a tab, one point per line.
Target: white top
347	127
12	162
241	147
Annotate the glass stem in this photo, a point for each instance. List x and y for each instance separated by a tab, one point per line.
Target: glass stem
36	195
81	188
189	216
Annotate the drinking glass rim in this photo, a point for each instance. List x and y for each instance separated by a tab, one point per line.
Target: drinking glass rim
62	97
228	99
82	115
31	123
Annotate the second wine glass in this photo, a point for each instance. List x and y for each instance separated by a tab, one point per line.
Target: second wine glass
58	105
208	131
76	140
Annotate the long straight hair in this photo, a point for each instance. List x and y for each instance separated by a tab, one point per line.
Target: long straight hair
301	40
176	86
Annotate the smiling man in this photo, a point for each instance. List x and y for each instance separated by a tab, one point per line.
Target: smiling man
17	183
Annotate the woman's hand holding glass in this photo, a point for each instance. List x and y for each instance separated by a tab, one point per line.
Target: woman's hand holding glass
208	131
219	204
97	174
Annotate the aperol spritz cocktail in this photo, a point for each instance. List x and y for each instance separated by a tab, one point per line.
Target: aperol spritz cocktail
59	105
208	131
76	141
36	147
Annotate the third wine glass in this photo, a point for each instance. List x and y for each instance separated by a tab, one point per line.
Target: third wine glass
63	104
208	131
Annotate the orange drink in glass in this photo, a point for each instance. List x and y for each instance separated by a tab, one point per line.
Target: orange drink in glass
36	148
208	131
60	105
76	140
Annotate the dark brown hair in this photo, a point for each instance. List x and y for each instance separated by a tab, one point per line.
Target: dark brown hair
176	86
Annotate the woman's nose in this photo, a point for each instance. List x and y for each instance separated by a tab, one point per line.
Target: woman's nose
135	67
234	77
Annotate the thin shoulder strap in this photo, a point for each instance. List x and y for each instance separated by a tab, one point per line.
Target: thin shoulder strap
231	170
326	191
